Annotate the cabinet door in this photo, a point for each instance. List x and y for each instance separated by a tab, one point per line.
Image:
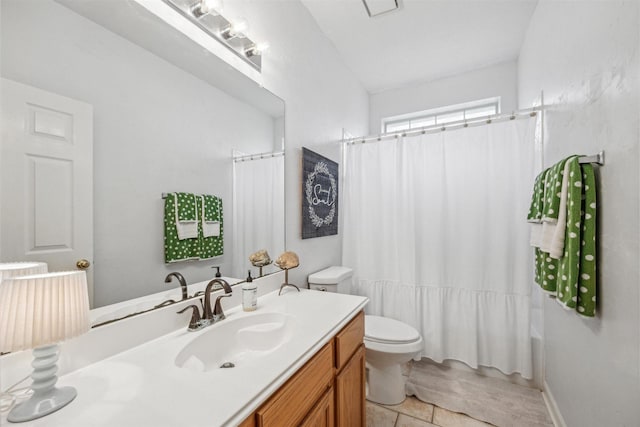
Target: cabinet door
349	339
322	414
290	405
350	392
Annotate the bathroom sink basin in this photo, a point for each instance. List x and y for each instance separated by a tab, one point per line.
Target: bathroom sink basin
238	342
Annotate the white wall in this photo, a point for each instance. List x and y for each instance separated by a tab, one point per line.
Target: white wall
156	129
322	96
584	55
497	80
302	67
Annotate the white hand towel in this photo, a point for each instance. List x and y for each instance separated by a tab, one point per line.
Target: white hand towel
211	228
186	229
553	230
546	234
556	248
536	235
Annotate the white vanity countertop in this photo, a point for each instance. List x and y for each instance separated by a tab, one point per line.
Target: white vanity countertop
144	387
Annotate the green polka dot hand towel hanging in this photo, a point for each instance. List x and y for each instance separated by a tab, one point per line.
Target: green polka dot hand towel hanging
175	248
186	215
212	235
569	273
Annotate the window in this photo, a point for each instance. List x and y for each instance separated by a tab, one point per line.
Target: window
441	116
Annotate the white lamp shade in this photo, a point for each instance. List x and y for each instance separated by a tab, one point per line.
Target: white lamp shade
42	309
13	269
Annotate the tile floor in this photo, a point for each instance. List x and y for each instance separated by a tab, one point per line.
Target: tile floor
415	413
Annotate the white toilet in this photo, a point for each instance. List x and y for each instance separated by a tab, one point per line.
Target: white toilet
389	343
332	279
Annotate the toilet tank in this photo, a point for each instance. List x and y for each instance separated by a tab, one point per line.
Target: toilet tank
332	279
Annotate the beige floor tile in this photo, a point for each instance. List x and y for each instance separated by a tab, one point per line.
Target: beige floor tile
407	421
444	418
415	408
490	399
377	416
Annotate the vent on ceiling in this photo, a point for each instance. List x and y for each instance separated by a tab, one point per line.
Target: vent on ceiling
380	7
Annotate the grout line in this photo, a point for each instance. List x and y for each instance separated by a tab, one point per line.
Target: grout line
395	423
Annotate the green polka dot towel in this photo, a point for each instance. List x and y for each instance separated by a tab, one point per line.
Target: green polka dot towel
199	246
572	277
184	206
211	216
211	233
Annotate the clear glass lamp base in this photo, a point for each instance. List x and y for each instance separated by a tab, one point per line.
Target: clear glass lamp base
46	398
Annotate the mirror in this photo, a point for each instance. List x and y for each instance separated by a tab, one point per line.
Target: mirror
166	116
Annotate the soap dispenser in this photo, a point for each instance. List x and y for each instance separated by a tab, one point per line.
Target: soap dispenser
217	271
249	294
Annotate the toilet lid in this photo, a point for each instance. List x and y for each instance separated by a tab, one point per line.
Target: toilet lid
330	276
385	330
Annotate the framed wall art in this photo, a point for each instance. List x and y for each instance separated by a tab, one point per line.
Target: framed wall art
319	195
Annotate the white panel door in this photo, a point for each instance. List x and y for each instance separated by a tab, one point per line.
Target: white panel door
46	188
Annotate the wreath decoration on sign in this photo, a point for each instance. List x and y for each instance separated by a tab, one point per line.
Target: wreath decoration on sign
320	168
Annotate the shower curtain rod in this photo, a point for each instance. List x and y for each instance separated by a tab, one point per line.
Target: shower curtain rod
250	157
458	124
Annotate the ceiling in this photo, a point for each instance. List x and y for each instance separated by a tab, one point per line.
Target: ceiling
424	40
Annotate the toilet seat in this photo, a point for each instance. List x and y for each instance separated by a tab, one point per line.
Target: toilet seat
388	331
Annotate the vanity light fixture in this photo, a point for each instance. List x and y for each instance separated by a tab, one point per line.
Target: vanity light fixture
206	15
38	311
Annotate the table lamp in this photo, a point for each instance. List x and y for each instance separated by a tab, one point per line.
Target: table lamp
38	311
13	269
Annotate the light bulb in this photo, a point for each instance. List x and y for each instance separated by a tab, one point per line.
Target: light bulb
204	7
239	26
262	47
256	49
236	28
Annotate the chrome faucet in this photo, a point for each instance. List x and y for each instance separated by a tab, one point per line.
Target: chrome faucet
217	313
183	283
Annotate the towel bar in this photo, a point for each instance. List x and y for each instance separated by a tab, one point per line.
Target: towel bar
596	158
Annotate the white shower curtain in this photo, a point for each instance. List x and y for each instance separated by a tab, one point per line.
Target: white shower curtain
258	211
435	230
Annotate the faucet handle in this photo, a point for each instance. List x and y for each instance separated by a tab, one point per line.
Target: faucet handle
196	321
218	313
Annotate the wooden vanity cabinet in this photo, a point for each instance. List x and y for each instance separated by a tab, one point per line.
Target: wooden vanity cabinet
328	391
322	414
350	392
293	401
